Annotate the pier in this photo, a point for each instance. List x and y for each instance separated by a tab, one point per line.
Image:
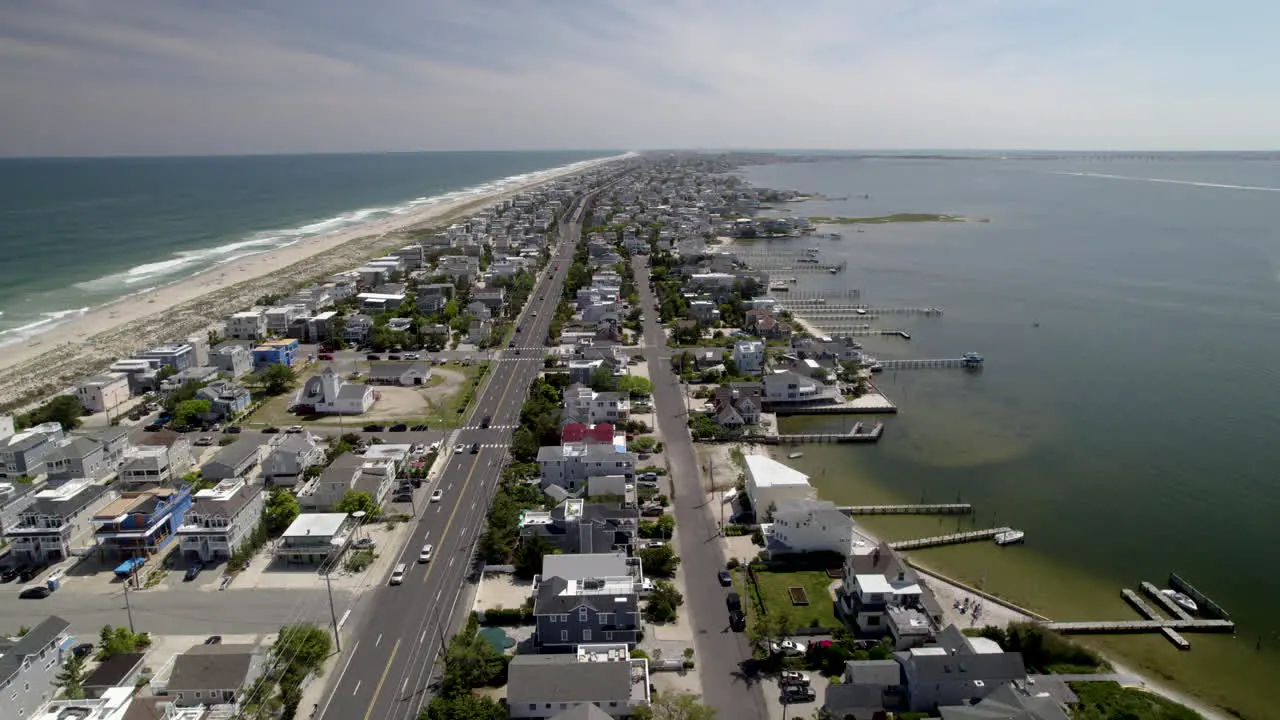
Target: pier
861	432
1206	604
940	509
872	402
1165	601
821	296
820	308
960	362
862	331
1153	621
952	539
1119	627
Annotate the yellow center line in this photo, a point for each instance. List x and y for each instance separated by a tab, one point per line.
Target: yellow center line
378	689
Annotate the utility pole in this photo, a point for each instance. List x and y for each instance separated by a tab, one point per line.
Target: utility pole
127	608
333	613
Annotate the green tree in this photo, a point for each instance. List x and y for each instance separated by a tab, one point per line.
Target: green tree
278	378
356	501
120	641
663	602
63	409
675	706
188	412
659	561
165	372
529	557
337	329
470	662
524	445
602	380
465	707
634	385
281	510
71	678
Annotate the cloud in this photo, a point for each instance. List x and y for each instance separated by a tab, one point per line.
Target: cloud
239	76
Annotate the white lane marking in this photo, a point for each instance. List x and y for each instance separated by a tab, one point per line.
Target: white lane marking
473	505
423	638
353	692
451	561
333	692
405	686
438	594
378	642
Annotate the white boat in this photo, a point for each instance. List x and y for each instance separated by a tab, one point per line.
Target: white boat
833	271
795	455
1181	599
1009	537
972	359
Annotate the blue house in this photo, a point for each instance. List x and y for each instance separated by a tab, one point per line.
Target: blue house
282	351
226	399
140	524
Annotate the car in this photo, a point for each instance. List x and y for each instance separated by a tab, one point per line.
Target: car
459	448
270	430
645	545
416	482
393	357
364	543
788	647
326	356
372	356
517	351
737	620
403	498
485	422
294	429
434	447
649	476
411	356
798	694
192	573
535	313
373	428
376	441
511	344
398	427
232	430
425	555
29	572
725	577
82	650
153	427
213	640
651	510
8	574
793	677
651	484
437	495
35	592
475	448
204	441
421	427
418	449
397	575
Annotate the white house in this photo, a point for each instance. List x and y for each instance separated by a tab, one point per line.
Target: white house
290	457
801	526
220	520
748	355
787	387
329	394
247	325
103	393
571	465
586	406
770	482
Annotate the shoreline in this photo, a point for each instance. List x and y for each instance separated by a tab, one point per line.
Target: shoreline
48	362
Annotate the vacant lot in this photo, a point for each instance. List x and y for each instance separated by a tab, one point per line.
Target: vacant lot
777	600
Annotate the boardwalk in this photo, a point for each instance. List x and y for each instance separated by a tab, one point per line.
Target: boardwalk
1139	626
891	365
1165	601
952	539
941	509
861	432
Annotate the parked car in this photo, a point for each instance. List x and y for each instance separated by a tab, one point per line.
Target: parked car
232	429
192	573
270	430
511	344
398	427
793	677
364	543
8	574
788	647
213	640
204	441
403	498
82	650
418	449
421	427
485	422
725	577
437	495
372	356
425	555
26	574
411	356
649	477
153	427
798	694
651	510
373	428
35	592
294	429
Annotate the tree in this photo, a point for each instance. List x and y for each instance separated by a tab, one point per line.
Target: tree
71	678
64	410
602	380
120	641
336	331
675	706
357	501
165	372
470	662
281	510
524	446
662	602
466	707
278	378
188	412
635	385
660	561
529	557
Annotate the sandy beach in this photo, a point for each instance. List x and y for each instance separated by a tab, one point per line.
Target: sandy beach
51	361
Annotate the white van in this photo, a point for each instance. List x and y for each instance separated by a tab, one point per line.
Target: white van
397	575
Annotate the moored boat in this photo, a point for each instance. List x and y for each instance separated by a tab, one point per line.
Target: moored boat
1183	601
1009	537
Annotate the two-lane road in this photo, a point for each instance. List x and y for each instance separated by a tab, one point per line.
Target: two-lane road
389	664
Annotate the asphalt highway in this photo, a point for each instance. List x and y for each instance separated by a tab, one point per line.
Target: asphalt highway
389	662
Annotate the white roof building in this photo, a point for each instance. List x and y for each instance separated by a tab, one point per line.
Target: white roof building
770	482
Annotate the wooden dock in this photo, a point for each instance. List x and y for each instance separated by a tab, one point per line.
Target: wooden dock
940	509
1118	627
1204	602
861	432
952	539
801	306
1165	601
891	365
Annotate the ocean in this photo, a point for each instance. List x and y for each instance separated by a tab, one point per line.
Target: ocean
1126	417
76	233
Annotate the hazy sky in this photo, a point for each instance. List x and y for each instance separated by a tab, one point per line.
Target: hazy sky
90	77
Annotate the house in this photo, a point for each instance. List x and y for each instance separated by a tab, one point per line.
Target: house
282	351
103	393
313	538
570	465
737	406
458	267
22	454
576	526
289	458
770	482
141	523
116	671
748	356
380	302
957	671
154	465
357	328
328	394
399	373
704	311
14	498
178	356
29	667
211	675
876	580
581	369
280	317
94	455
803	526
326	491
220	520
569	613
247	325
599	433
788	387
193	374
232	359
866	691
586	406
226	399
233	461
56	521
479	331
1007	702
492	298
598	683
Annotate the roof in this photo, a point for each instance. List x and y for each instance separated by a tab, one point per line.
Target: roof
578	567
585	711
30	644
873	672
227	507
767	472
934	669
236	453
323	524
212	667
63	507
114	670
79	447
1005	703
858	701
397	369
561	678
551	599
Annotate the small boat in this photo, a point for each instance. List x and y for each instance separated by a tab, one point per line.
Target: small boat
1181	599
972	359
833	271
1009	537
834	236
795	455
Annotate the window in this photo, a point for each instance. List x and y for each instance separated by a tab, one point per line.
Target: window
180	695
605	618
564	636
197	694
873	620
582	614
608	636
586	636
533	706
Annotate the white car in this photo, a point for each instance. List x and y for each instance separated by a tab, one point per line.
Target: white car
434	446
294	429
419	449
793	677
397	575
788	647
425	555
437	495
459	449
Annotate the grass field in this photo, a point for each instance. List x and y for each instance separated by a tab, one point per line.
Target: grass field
774	586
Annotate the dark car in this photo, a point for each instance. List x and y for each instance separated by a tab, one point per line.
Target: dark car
798	694
153	427
725	577
27	573
485	422
213	640
475	448
82	650
192	573
421	427
393	357
371	356
35	592
733	602
270	430
232	429
737	621
8	574
373	428
511	344
402	499
416	482
399	427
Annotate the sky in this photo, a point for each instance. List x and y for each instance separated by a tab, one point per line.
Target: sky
195	77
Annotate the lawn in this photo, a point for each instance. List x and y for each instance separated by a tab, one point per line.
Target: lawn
775	590
1105	700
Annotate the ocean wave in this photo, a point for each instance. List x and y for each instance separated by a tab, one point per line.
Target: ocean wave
45	323
1167	181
